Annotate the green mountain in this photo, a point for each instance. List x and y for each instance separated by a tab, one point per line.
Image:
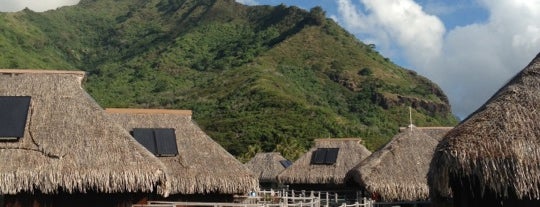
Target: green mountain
257	77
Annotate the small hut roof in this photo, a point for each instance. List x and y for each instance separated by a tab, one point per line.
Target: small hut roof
498	146
266	165
398	170
351	152
202	165
69	143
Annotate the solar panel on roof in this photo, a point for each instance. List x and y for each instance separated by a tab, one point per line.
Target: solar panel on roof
160	141
331	155
322	156
145	137
166	142
13	115
318	156
285	163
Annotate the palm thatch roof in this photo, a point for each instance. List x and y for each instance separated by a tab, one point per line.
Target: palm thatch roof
202	165
267	166
398	170
351	152
498	146
70	145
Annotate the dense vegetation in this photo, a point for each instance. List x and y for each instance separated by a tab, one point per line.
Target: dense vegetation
257	78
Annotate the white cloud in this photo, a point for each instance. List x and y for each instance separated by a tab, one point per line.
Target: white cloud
35	5
478	59
401	22
247	2
470	63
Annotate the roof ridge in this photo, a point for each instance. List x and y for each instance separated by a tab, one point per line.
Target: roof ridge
148	111
338	139
40	71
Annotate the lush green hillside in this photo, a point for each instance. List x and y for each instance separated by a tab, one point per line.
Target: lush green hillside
257	78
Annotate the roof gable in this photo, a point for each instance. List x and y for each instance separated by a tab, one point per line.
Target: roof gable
69	142
397	171
497	144
189	171
350	153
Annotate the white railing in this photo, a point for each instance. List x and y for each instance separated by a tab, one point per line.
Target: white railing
365	203
314	203
272	198
326	198
399	203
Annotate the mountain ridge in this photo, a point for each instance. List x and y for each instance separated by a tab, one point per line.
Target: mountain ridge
258	78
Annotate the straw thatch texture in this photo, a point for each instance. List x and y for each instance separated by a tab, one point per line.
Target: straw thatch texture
397	172
70	145
202	165
351	152
498	146
267	166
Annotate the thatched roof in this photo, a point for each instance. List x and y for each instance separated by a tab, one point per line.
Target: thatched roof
267	166
69	143
398	170
202	165
498	146
351	152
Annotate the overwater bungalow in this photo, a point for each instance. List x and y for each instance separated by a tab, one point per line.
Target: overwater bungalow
397	171
267	166
492	158
197	167
59	148
325	165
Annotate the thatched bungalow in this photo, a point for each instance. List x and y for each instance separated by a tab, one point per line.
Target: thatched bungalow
268	166
492	158
59	148
200	169
325	165
397	171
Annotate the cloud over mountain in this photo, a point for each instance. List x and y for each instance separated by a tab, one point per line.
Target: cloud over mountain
469	62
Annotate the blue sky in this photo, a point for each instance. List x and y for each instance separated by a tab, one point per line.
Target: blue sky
470	48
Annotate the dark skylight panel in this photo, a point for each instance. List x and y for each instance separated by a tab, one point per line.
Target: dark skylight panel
160	141
324	156
13	116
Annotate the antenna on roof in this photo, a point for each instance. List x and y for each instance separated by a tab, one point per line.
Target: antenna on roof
411	125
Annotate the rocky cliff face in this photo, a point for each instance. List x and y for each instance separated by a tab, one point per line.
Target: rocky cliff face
388	101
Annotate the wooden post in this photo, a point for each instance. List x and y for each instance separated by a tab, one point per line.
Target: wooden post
319	199
327	199
286	199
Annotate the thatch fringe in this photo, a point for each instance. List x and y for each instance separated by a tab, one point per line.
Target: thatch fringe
202	165
497	147
70	144
397	172
351	152
267	166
